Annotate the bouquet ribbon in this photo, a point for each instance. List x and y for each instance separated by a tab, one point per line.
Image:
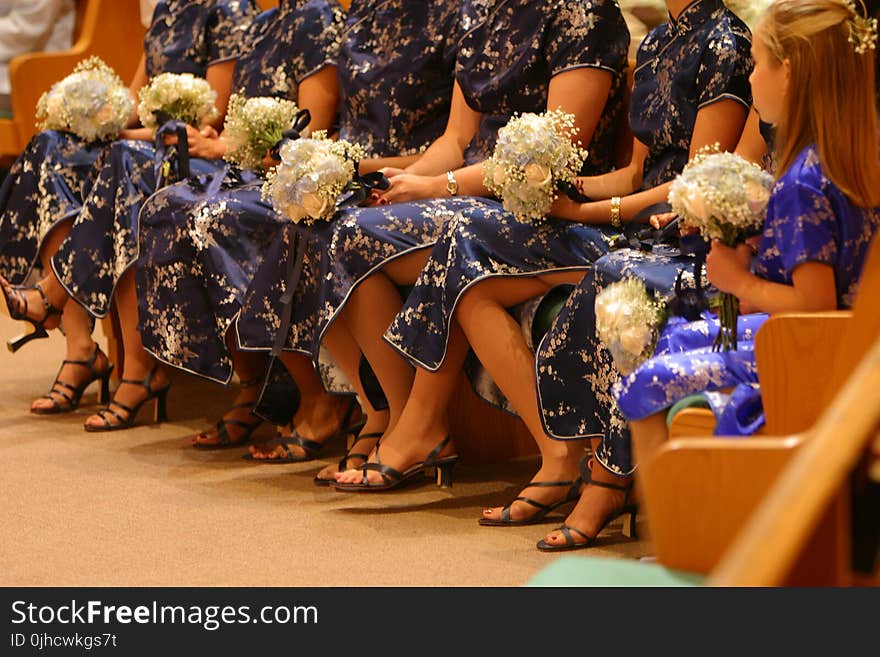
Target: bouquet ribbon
171	126
303	117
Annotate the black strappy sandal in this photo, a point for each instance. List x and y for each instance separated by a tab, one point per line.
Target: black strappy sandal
343	462
14	298
541	515
160	414
74	393
311	448
225	440
392	478
629	525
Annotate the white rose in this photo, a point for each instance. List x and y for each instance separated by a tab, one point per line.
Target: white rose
54	105
537	175
314	205
499	176
757	196
634	339
695	203
104	115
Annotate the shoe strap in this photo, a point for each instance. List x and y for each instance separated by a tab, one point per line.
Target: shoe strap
548	484
602	484
388	473
432	457
569	539
90	363
146	383
310	447
48	308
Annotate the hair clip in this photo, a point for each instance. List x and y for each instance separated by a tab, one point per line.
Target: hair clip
862	30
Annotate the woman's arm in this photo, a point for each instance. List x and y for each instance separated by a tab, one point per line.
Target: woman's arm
751	144
319	93
219	76
813	286
581	92
720	122
138	81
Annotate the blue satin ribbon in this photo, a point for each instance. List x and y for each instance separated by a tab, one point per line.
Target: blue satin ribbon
171	126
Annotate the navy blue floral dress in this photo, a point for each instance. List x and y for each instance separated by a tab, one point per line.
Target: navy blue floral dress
102	243
701	58
199	251
808	220
51	178
507	55
485	240
397	71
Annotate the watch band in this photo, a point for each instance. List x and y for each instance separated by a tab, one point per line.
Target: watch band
451	183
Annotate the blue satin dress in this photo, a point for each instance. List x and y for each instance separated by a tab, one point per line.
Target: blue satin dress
51	178
486	241
396	77
102	243
200	252
507	55
809	219
701	58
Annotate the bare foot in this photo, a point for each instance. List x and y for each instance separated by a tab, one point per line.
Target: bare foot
547	498
127	396
593	511
60	397
237	423
31	304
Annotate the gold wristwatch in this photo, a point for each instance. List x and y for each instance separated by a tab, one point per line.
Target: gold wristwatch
451	183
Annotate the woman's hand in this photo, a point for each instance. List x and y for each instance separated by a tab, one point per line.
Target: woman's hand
661	220
269	162
728	268
411	187
205	143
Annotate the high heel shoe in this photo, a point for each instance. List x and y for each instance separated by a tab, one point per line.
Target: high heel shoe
160	414
392	478
630	510
541	515
14	296
76	392
311	448
343	462
225	440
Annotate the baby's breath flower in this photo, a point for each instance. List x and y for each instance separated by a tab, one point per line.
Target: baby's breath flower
312	175
181	96
255	125
628	322
92	102
533	154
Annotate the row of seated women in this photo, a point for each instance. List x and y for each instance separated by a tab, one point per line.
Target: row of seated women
393	295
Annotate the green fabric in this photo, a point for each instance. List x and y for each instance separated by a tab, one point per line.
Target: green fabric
601	572
691	401
549	309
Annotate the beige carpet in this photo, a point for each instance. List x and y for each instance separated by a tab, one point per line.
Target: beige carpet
141	507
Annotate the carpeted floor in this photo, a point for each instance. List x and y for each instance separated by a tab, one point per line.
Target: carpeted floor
141	507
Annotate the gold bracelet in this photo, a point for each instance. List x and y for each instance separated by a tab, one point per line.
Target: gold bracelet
615	212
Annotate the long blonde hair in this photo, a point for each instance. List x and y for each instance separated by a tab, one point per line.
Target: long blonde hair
830	100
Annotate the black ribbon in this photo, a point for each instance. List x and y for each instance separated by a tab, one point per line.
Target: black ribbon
573	192
302	120
363	185
171	126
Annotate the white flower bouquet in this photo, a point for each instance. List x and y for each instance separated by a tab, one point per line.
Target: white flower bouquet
628	322
534	154
92	102
312	176
253	126
179	96
725	197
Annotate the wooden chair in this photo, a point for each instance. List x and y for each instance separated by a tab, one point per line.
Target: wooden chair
699	493
109	29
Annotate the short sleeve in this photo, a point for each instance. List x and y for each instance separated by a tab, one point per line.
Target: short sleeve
226	29
804	226
318	36
581	37
724	70
451	30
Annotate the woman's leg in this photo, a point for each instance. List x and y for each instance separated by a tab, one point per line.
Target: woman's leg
497	340
596	504
138	363
238	423
347	355
370	310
